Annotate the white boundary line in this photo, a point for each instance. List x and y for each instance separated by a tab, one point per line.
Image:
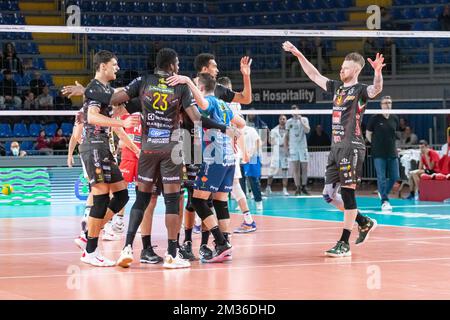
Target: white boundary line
344	261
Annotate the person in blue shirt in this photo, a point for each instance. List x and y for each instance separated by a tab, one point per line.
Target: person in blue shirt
217	170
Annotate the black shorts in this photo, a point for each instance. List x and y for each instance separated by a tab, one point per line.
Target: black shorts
158	164
100	165
345	166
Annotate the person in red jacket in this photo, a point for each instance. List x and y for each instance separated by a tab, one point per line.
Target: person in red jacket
429	164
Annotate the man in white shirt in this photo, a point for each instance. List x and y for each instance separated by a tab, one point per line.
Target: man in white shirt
297	146
279	156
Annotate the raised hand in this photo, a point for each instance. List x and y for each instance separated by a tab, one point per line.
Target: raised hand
246	63
70	91
378	64
289	47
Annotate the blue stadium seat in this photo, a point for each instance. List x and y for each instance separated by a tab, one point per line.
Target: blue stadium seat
438	11
34	129
330	4
98	6
136	21
141	6
18	79
434	26
26	145
86	6
246	7
168	7
127	6
418	26
155	7
105	20
294	18
439	58
181	7
426	12
176	21
279	19
47	77
316	4
344	3
112	6
443	43
50	129
13	6
409	14
5	130
67	128
121	21
235	21
20	130
227	8
323	16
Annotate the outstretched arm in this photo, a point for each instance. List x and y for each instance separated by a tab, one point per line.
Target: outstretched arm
198	96
245	97
307	66
377	86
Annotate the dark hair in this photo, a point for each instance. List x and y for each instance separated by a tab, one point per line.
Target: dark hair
103	56
165	57
225	81
208	81
202	60
424	142
294	107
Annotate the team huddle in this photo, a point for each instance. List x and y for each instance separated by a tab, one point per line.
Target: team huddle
185	135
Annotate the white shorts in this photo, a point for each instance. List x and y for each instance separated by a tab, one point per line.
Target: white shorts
275	172
299	155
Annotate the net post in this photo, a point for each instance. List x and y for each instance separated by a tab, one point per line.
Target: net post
393	61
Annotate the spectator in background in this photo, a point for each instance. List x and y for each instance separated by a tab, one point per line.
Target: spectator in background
408	138
255	121
402	124
279	159
42	142
319	138
2	150
10	59
37	84
296	147
429	164
59	142
62	102
381	133
8	92
388	53
29	102
45	100
252	169
15	150
27	64
444	19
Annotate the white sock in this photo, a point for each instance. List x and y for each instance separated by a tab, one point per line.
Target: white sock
198	221
248	217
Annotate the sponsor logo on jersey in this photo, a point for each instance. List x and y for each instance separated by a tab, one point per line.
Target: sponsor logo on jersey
157	133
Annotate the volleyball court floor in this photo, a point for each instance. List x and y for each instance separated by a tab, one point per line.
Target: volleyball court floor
407	256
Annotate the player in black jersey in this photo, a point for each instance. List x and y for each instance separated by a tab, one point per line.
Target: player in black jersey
160	154
206	63
103	172
345	161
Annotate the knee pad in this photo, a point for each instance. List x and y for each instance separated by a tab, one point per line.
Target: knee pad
329	192
237	192
142	200
119	200
210	202
221	209
172	202
202	208
98	210
348	197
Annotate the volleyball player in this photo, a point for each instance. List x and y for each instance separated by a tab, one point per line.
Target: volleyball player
217	171
161	106
347	153
104	174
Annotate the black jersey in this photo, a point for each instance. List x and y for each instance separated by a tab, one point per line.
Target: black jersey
161	105
94	135
348	108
